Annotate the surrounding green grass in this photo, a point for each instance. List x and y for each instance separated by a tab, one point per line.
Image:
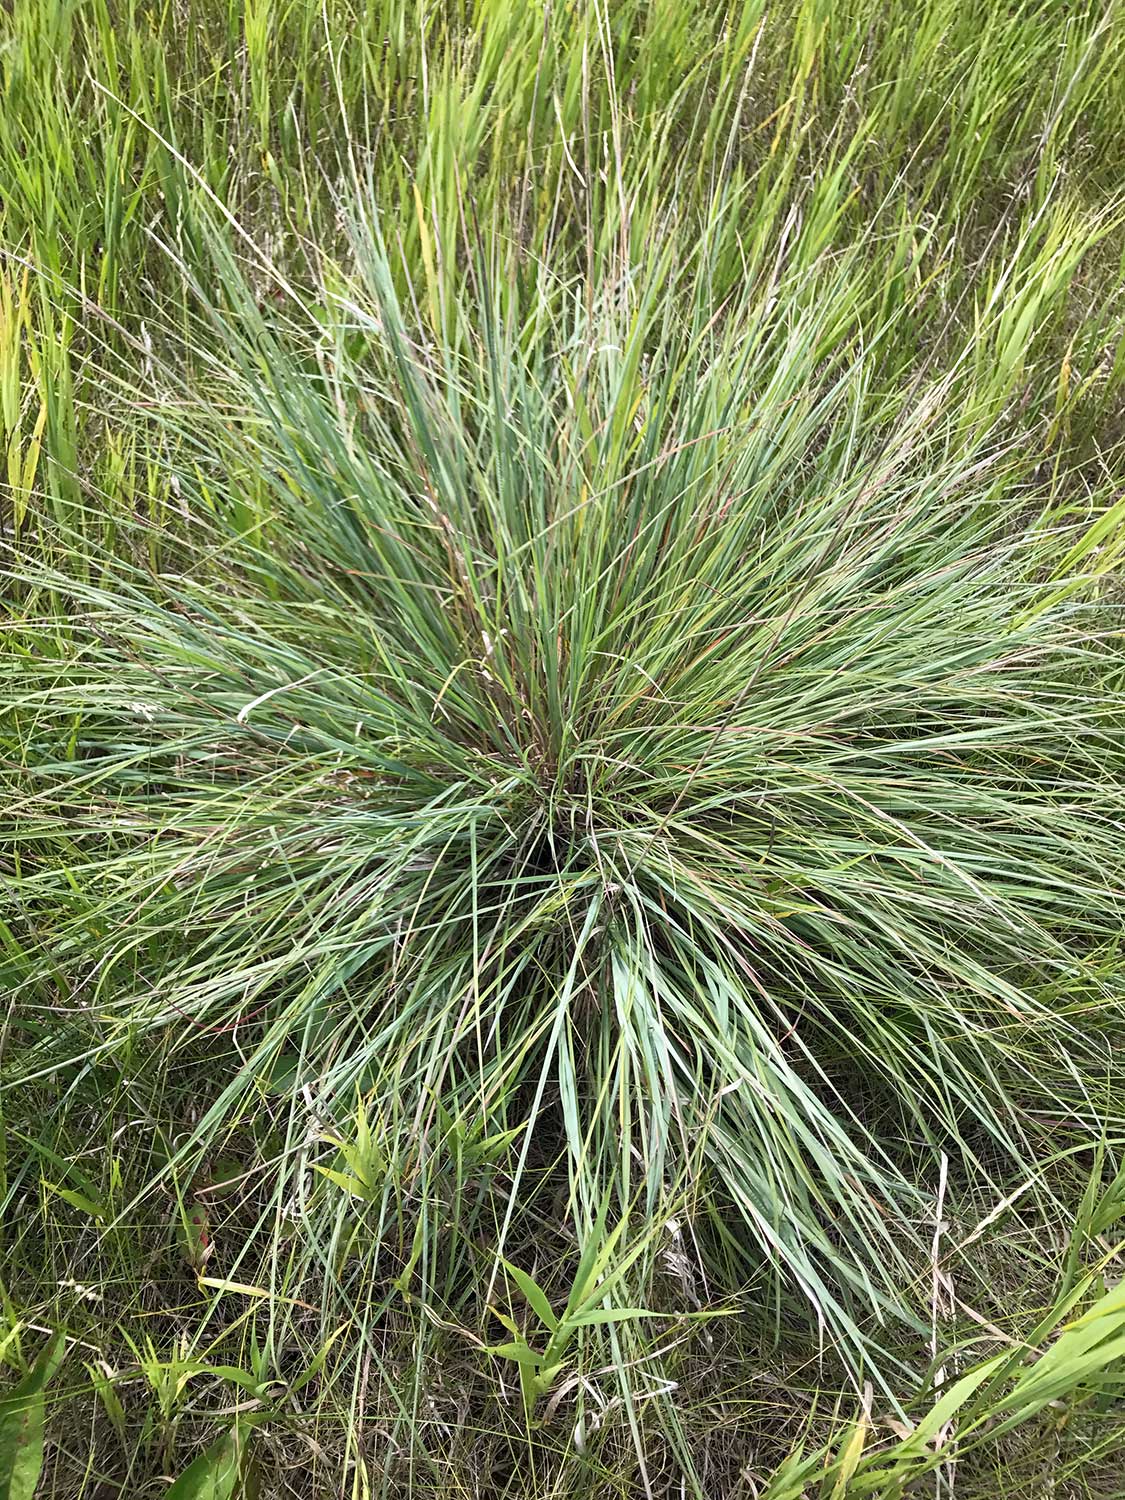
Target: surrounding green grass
562	749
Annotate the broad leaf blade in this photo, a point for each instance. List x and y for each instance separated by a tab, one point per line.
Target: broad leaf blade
21	1426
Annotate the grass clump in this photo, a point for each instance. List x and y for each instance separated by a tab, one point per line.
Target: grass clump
561	745
643	746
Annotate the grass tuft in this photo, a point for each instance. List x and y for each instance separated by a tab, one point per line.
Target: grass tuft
562	750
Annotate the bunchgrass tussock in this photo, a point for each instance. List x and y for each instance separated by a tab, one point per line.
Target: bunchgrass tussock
561	749
644	734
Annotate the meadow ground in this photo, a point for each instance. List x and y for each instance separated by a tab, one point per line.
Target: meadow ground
562	749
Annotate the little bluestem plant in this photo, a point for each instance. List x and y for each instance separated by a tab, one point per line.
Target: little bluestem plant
645	730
